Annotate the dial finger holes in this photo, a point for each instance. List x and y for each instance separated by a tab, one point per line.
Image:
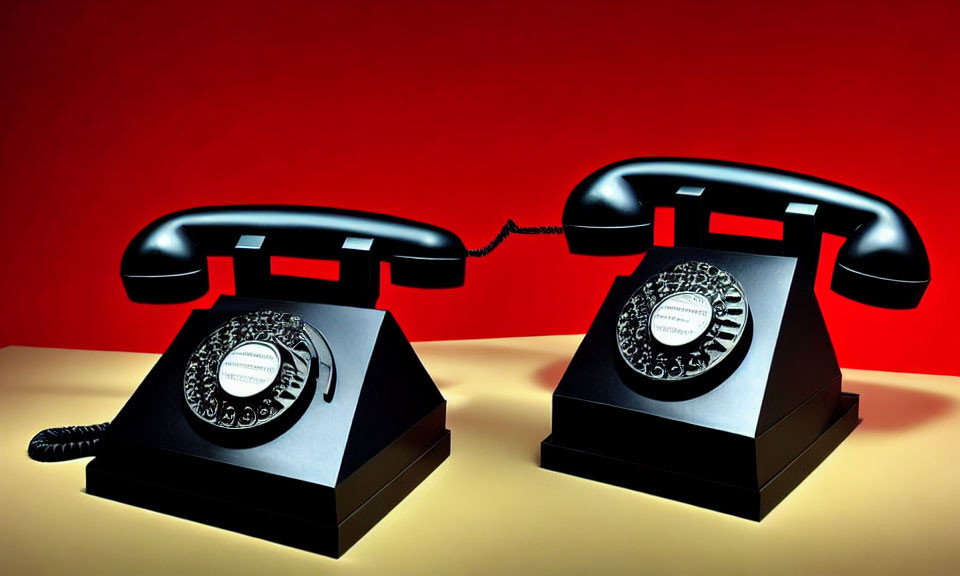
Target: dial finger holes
688	318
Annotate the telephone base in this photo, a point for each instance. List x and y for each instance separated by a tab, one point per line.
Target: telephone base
738	501
107	481
319	484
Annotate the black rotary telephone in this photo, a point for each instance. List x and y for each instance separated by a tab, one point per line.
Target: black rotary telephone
294	411
708	375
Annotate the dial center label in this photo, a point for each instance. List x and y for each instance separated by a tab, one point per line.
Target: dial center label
680	318
249	369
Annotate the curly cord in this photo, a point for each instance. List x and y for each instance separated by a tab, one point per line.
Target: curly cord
511	228
66	443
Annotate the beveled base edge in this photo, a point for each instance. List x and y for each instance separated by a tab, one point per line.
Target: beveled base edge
326	539
746	503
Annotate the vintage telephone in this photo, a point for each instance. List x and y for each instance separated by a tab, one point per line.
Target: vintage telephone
708	375
294	411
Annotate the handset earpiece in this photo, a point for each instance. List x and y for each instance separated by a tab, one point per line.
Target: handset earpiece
884	263
163	265
606	215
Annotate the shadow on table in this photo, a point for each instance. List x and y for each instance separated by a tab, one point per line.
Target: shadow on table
548	375
891	409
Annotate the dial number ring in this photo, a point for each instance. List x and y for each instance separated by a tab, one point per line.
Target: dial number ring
253	369
682	322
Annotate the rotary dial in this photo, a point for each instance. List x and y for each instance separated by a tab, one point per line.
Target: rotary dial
682	322
255	368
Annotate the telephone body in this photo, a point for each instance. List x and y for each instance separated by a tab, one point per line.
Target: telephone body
294	411
708	375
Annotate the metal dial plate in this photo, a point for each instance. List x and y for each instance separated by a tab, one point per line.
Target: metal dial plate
682	322
255	368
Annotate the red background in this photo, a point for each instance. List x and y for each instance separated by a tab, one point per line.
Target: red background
461	115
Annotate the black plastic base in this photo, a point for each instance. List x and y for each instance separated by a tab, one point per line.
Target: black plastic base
319	484
735	500
108	481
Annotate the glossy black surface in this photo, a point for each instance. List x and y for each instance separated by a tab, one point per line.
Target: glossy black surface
167	260
726	440
727	498
883	261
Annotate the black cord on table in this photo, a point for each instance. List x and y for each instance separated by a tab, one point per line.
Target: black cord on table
66	443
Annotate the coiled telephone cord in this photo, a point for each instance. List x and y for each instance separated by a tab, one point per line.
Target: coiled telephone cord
66	443
511	228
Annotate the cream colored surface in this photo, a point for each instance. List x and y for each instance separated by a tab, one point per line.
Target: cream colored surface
886	501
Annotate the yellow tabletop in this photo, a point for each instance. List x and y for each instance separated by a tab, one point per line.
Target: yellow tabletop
886	501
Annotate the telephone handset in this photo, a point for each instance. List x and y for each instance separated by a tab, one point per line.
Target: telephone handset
883	261
293	411
708	375
167	261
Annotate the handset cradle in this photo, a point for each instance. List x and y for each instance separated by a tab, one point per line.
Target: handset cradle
358	285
